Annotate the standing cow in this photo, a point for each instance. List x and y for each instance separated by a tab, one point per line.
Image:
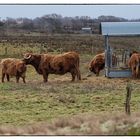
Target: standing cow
134	64
98	63
46	64
13	67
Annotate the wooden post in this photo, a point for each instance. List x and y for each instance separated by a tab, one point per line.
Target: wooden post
92	49
5	50
128	98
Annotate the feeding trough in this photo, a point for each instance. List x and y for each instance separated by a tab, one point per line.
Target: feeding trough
117	29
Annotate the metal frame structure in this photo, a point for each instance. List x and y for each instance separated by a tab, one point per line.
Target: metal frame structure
117	29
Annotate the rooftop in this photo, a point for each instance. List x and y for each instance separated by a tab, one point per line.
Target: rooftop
120	28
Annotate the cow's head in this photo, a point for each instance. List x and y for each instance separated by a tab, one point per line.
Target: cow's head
94	70
28	58
91	68
96	67
32	59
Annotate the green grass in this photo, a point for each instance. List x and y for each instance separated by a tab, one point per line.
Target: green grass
133	131
35	101
22	104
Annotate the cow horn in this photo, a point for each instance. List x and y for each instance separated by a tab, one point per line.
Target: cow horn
27	57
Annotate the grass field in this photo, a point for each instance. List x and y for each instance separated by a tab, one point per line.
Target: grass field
37	102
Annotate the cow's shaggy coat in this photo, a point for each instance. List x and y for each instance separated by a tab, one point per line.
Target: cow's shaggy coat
13	67
46	64
134	64
98	63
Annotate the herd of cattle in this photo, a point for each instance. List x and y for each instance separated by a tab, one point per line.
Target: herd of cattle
46	64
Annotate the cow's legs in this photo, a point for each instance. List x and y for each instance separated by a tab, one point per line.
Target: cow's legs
24	79
3	76
45	76
78	73
17	79
133	72
8	78
73	74
137	71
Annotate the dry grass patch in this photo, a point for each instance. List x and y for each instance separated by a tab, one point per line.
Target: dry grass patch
82	124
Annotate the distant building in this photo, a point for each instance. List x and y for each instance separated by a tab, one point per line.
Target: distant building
19	21
87	30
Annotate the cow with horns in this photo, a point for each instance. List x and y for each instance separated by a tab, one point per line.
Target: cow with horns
13	67
46	64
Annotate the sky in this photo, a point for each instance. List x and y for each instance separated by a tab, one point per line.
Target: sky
33	11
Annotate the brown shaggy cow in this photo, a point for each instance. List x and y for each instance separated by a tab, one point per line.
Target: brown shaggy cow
13	67
134	64
98	63
46	64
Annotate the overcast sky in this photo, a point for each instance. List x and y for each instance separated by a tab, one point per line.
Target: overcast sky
33	11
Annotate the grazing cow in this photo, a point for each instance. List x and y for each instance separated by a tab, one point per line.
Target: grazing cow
98	63
46	64
13	67
134	64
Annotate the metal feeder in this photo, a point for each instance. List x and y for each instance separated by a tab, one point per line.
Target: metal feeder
117	29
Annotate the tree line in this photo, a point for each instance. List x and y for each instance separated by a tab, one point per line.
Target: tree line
55	23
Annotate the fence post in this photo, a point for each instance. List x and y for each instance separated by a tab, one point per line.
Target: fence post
92	49
5	53
128	98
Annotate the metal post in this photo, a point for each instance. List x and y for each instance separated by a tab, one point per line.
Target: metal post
106	56
110	57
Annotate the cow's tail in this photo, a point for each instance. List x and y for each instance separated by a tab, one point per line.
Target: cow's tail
77	66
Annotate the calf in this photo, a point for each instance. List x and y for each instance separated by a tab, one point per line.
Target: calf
13	67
